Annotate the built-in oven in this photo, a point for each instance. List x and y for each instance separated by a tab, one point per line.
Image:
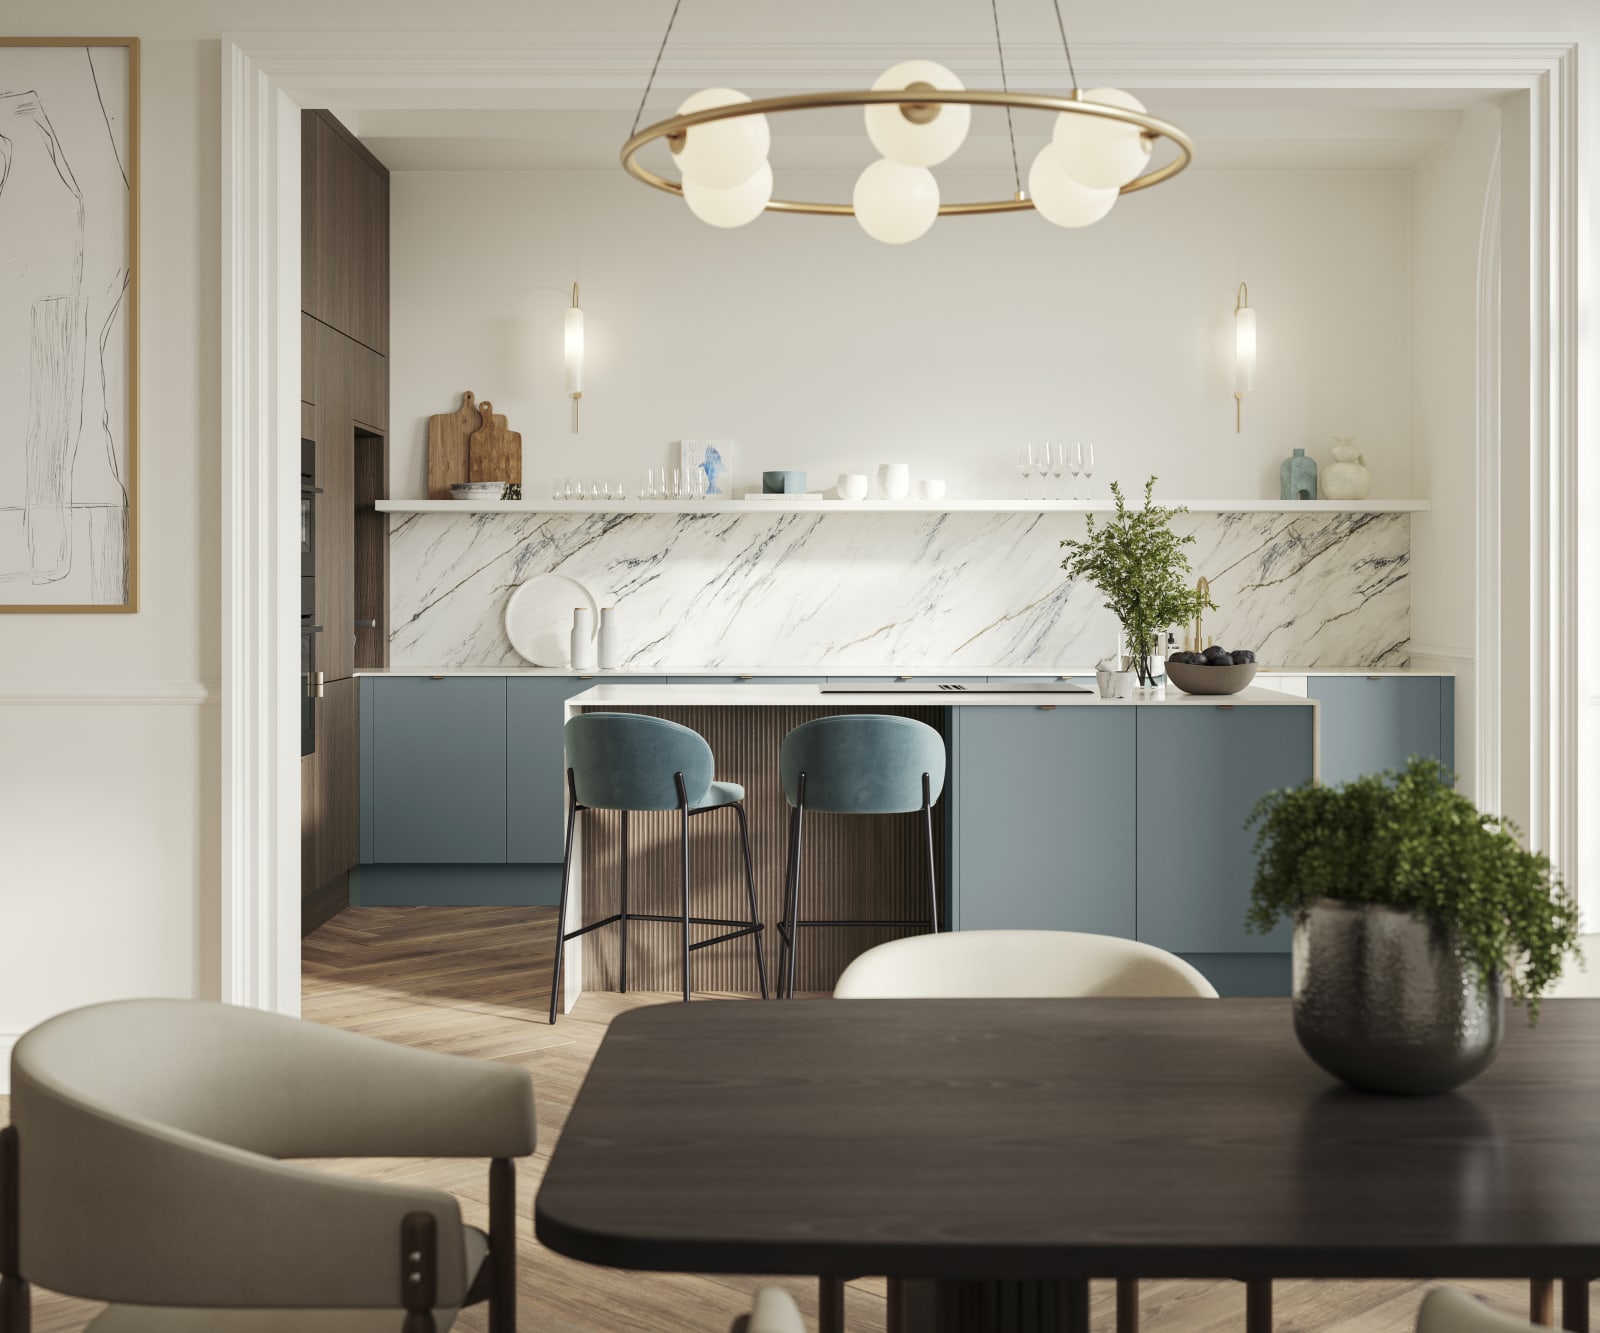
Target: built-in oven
310	676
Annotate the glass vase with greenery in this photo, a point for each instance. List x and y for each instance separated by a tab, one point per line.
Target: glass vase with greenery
1411	841
1136	561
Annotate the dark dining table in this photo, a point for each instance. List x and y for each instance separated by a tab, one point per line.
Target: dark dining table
998	1154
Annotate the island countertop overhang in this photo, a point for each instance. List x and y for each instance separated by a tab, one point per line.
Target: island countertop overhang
757	694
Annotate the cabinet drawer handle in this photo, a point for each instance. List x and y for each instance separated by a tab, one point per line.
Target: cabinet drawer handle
1047	708
435	677
1225	708
1374	677
745	678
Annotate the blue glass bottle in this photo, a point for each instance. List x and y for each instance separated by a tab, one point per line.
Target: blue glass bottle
1297	477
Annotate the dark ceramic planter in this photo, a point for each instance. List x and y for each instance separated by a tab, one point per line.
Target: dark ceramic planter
1384	1000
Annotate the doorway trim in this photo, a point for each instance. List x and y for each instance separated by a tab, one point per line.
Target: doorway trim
267	78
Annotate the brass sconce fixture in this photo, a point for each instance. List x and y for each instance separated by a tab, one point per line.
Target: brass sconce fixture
573	345
1244	352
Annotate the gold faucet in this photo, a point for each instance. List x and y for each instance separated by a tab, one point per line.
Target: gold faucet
1201	643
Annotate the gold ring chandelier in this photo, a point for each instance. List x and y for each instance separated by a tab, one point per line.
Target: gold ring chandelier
917	114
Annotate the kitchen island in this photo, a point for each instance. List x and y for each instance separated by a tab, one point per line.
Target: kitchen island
1060	811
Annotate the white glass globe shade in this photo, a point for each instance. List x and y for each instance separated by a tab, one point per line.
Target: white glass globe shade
733	207
1098	152
895	203
723	153
905	141
1060	199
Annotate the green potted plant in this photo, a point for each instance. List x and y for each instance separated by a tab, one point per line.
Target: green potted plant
1413	915
1136	561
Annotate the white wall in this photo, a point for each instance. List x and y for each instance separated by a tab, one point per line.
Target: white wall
1448	194
812	346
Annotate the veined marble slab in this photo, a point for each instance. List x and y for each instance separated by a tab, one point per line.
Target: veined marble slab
836	591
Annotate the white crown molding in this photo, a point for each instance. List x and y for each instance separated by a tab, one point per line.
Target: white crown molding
423	60
60	691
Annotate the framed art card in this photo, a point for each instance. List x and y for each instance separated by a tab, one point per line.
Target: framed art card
712	460
69	320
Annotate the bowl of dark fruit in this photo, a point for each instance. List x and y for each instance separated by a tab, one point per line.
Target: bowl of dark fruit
1215	671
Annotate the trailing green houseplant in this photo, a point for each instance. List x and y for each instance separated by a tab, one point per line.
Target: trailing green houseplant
1411	841
1137	563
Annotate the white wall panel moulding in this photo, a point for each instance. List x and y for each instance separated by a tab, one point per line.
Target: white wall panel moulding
60	691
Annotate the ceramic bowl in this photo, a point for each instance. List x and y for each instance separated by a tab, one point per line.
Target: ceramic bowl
783	483
930	490
1192	679
477	490
852	486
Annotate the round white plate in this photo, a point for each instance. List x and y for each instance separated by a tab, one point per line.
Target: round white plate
539	618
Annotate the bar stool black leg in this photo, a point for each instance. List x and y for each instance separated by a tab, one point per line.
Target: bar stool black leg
623	895
933	863
1575	1304
750	888
683	806
561	912
783	913
794	891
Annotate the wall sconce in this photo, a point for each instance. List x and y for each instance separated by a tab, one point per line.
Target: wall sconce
573	344
1244	352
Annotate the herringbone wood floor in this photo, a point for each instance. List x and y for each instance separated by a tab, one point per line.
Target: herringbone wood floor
472	981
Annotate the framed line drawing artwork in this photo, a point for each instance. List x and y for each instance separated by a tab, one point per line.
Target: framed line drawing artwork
69	321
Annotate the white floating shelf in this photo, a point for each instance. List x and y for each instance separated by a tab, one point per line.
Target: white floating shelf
889	506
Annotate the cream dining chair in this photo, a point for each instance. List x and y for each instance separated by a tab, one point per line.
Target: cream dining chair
772	1311
141	1167
1023	964
1015	964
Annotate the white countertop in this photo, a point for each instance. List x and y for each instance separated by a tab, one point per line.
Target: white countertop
846	672
758	695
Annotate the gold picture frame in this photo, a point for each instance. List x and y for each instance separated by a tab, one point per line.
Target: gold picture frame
69	322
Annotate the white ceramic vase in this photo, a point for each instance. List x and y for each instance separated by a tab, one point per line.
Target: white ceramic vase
582	639
852	486
1347	477
894	480
609	640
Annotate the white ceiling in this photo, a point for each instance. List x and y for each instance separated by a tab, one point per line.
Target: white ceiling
1277	130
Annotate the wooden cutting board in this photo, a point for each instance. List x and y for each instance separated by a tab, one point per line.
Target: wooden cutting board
448	437
493	452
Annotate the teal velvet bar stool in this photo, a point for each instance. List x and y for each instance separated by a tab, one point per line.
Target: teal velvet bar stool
626	762
856	764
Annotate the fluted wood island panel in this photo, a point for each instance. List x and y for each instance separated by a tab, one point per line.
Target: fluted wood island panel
871	866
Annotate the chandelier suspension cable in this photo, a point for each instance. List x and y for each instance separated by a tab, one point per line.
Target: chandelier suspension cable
1065	46
1016	171
651	81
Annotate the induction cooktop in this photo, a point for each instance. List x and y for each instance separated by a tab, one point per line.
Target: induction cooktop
955	687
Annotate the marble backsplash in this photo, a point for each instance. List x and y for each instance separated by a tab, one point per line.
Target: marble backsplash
872	590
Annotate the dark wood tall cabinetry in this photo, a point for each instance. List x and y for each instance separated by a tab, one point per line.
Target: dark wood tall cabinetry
345	412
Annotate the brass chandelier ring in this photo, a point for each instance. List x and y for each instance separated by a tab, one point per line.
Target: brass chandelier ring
920	100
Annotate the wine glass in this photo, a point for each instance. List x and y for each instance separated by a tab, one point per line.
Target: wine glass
649	491
558	489
1044	471
594	489
605	490
616	490
677	484
1075	467
1058	463
569	487
1088	472
1025	465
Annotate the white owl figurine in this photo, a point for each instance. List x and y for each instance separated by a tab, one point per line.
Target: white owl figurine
1347	477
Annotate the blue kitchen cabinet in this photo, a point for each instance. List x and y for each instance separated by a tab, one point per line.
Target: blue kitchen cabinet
1373	723
536	790
1201	770
1043	810
438	769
